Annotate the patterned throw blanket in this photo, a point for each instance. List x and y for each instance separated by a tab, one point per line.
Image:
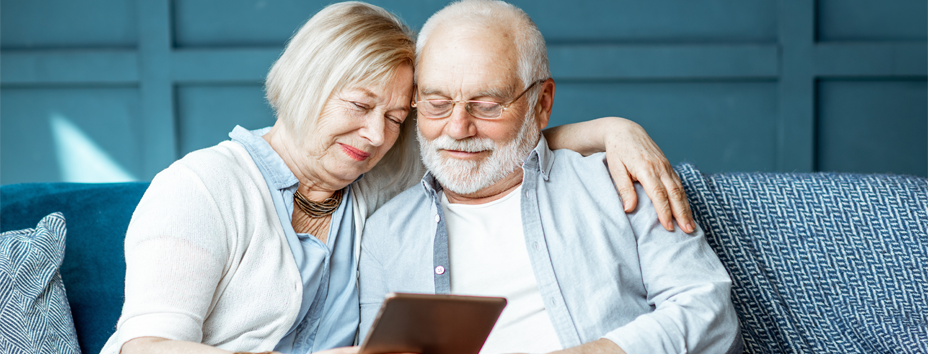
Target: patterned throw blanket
821	262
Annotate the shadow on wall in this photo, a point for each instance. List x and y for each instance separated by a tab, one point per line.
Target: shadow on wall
80	159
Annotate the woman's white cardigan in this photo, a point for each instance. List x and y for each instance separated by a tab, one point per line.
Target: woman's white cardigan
207	259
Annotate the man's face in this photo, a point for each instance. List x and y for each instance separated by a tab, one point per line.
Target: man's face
467	154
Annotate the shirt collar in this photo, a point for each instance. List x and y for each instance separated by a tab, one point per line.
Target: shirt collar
540	159
279	175
543	155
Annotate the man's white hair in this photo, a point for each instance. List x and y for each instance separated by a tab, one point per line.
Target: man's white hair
529	43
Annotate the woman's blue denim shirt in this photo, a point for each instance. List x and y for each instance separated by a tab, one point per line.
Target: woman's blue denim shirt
329	311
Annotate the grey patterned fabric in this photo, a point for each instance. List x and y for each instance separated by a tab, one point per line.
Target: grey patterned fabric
34	312
820	263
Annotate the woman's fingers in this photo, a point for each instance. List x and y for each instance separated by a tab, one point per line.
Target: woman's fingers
633	156
624	185
664	188
656	191
678	201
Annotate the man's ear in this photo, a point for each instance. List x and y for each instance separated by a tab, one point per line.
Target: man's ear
545	104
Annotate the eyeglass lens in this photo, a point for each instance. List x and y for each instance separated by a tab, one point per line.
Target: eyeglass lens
443	108
479	109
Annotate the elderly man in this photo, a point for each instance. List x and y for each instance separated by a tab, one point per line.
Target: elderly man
500	214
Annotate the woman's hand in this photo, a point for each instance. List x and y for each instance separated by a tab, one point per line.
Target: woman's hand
632	156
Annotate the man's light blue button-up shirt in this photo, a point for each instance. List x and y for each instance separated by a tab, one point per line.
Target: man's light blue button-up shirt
602	273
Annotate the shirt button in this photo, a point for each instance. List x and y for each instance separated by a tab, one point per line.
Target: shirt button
437	218
439	270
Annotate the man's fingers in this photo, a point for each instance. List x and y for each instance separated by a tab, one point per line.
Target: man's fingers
679	203
655	189
623	183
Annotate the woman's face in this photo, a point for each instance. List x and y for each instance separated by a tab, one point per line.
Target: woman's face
360	124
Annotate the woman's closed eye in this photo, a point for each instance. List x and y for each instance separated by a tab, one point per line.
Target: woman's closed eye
359	106
394	119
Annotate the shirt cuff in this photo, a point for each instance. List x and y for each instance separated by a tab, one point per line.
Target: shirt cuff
646	335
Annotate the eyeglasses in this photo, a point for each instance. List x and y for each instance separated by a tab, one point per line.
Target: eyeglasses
438	109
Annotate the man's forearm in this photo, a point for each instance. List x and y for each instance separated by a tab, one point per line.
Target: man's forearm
600	346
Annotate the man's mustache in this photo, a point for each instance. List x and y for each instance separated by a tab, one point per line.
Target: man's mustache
467	145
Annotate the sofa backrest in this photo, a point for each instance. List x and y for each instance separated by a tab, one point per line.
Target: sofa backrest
819	262
823	262
94	268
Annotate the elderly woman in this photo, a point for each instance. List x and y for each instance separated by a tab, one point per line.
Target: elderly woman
252	245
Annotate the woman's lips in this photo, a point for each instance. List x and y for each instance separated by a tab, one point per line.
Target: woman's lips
354	153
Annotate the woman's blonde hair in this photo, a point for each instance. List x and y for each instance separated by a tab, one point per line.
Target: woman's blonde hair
346	44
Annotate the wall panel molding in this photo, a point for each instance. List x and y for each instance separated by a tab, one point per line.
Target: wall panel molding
222	65
796	123
116	66
794	61
662	62
873	59
159	146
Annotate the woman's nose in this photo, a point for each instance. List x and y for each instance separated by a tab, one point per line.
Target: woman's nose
373	128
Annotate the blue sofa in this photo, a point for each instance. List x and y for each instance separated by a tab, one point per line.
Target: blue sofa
94	268
821	263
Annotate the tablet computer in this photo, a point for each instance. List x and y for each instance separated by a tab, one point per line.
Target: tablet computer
429	323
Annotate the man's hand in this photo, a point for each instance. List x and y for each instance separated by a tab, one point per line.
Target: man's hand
600	346
632	156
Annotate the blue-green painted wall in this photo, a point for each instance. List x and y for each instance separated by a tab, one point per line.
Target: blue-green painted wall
100	90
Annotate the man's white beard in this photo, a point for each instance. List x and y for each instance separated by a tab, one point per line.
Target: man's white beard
466	177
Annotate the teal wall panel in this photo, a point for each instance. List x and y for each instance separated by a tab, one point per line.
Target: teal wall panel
655	21
732	85
873	126
225	23
79	134
239	23
207	113
33	24
719	126
867	20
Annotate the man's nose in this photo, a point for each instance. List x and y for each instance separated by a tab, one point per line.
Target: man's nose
460	123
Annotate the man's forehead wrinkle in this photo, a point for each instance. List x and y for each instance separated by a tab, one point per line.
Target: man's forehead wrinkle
498	92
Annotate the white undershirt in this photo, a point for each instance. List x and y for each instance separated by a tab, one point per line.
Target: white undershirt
488	258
